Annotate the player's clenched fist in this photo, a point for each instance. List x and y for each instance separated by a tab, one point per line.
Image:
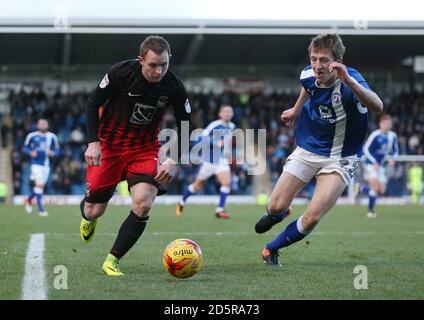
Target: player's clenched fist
289	117
341	71
166	172
93	154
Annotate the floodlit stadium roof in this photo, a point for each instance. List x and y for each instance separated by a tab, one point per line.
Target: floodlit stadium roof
211	17
206	33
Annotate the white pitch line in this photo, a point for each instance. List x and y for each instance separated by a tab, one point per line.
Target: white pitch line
34	283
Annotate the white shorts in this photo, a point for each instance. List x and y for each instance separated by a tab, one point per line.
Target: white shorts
305	165
372	173
39	174
208	169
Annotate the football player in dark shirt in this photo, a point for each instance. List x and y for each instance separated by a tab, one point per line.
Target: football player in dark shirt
123	122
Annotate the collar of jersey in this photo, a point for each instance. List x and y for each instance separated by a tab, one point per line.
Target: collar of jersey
326	87
138	69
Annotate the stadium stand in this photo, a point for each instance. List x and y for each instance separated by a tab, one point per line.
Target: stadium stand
255	110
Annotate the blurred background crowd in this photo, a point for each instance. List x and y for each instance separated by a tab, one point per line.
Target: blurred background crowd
66	115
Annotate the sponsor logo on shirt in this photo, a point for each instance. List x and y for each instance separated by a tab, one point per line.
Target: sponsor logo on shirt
325	114
105	82
142	114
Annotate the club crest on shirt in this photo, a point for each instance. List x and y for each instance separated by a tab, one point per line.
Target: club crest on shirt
162	101
336	98
142	114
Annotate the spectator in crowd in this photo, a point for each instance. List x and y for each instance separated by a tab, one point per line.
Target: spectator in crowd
415	182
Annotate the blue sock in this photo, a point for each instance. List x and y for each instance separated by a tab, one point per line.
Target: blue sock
279	217
186	194
289	236
189	191
31	195
40	202
372	200
365	188
224	192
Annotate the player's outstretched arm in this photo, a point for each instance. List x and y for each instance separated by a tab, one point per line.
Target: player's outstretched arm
366	97
289	116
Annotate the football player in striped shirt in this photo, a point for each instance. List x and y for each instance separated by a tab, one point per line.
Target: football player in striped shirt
40	145
380	149
331	116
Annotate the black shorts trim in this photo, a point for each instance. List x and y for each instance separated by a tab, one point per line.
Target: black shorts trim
147	179
99	197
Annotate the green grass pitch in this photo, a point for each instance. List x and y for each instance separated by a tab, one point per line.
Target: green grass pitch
321	266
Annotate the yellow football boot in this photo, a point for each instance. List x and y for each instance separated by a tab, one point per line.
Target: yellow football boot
111	266
87	229
179	210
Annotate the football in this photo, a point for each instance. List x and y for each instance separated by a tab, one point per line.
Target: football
183	258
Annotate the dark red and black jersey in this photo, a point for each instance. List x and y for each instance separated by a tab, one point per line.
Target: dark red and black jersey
133	107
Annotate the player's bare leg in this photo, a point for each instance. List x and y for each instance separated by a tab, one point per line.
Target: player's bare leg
382	189
94	210
195	187
278	208
286	188
198	185
224	179
328	189
143	195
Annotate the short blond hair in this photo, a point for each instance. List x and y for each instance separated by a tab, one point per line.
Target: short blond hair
330	41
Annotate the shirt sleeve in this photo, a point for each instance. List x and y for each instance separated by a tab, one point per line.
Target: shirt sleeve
228	142
395	147
356	76
27	144
104	90
307	78
368	147
55	145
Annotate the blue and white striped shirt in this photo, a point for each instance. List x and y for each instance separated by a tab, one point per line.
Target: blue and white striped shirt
218	137
42	143
380	146
333	123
